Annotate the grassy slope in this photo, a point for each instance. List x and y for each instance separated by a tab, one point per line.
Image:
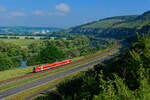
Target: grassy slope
103	24
8	74
132	21
108	22
137	22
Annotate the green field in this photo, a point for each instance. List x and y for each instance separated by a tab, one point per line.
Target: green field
21	42
8	74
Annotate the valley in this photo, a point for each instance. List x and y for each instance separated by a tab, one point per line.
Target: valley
74	50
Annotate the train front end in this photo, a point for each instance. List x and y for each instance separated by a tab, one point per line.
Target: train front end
36	69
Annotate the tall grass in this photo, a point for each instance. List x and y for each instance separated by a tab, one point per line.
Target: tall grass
4	75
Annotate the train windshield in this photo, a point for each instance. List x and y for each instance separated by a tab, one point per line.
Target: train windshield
33	68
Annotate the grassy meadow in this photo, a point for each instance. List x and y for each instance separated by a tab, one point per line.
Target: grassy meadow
8	74
21	42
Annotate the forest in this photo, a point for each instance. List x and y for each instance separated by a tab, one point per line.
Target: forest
125	77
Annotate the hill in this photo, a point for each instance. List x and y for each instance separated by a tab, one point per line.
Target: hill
117	27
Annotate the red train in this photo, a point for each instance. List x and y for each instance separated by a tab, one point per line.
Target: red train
52	65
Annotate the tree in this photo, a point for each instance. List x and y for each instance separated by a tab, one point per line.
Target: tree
50	54
5	62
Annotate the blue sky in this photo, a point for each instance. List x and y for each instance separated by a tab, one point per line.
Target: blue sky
65	13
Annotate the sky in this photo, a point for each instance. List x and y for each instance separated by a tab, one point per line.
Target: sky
65	13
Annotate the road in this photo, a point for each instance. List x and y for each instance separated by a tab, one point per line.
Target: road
19	89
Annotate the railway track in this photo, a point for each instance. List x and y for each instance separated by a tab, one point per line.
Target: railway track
22	88
71	71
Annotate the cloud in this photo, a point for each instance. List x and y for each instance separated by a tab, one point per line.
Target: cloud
63	7
16	14
2	9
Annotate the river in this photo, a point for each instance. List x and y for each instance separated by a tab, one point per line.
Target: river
23	64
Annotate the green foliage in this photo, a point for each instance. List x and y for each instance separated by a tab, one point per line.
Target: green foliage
50	96
10	56
124	78
50	50
114	90
47	51
5	63
50	54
